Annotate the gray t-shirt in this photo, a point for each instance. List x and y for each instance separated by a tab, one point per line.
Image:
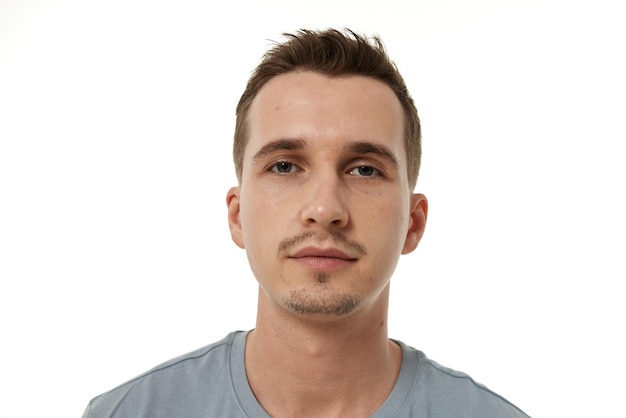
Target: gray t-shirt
211	382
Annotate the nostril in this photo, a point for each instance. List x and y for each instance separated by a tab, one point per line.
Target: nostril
324	205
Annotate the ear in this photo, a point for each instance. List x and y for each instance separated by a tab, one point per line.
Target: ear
234	222
417	222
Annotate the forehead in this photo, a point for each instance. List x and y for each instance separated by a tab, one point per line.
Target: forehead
325	110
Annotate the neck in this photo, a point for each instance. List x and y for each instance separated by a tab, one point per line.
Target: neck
301	366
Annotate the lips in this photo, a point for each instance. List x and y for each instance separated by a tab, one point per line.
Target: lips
322	259
320	252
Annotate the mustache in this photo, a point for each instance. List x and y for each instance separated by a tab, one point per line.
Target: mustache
335	236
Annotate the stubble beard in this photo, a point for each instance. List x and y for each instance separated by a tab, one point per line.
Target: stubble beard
321	300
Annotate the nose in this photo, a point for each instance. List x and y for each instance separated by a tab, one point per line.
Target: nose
324	202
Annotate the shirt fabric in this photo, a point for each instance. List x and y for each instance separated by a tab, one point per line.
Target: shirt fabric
212	382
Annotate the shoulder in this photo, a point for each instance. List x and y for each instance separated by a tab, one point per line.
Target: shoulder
193	359
179	378
449	391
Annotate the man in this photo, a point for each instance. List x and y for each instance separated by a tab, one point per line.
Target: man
327	152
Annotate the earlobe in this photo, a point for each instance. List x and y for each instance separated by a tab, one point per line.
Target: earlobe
234	222
417	222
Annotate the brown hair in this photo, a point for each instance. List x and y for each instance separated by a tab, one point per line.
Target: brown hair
330	52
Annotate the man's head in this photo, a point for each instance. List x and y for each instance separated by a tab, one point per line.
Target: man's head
324	205
331	53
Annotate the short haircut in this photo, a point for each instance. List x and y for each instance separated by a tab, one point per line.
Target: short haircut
330	52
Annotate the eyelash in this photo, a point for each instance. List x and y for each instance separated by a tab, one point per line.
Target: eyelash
376	172
273	168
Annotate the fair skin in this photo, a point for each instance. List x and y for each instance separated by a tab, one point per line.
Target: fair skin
324	212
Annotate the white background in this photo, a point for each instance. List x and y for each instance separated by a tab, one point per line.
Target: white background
116	119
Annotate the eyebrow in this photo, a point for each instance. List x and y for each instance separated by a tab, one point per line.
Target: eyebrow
371	148
358	147
279	145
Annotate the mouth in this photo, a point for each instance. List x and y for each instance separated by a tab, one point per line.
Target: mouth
323	259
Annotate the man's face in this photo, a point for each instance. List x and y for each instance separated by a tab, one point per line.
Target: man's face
324	208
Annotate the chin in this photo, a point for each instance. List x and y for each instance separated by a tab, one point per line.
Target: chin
321	303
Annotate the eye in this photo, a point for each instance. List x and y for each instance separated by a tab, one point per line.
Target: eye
283	167
364	171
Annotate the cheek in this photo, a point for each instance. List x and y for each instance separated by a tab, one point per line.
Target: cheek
391	223
263	218
256	235
253	217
